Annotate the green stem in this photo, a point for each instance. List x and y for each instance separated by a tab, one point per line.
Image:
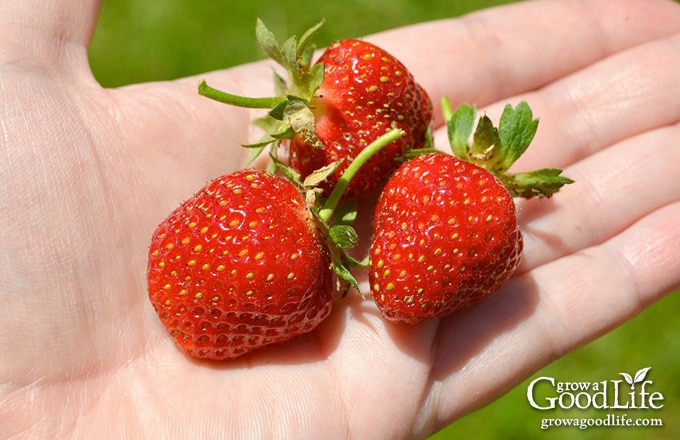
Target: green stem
240	101
446	108
328	208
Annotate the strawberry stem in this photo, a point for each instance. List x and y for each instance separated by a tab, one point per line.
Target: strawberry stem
331	203
239	101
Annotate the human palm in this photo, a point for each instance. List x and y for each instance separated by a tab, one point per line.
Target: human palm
88	173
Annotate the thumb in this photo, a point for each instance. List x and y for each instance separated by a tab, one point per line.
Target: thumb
47	35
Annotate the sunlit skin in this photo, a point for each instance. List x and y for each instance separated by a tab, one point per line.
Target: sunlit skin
87	174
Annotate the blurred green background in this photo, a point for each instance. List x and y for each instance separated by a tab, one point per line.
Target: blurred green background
138	41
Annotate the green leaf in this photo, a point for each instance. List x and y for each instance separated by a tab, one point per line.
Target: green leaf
278	111
274	128
308	36
305	47
290	174
287	133
267	42
294	56
459	127
429	137
281	87
254	153
343	272
343	236
516	129
486	141
313	79
345	213
352	262
290	58
539	183
261	143
306	58
268	124
318	176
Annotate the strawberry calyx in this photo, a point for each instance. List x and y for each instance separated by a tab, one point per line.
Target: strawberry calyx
289	111
497	148
294	56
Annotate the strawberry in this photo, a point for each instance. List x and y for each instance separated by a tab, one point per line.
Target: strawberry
250	260
365	92
238	266
445	230
445	237
331	110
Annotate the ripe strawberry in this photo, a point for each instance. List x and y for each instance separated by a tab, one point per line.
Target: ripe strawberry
445	231
365	92
445	237
239	266
250	261
331	110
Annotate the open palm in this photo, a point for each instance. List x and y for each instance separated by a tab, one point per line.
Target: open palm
87	173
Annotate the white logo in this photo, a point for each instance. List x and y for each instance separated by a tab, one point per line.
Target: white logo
631	392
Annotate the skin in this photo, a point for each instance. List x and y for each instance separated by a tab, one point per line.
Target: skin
88	173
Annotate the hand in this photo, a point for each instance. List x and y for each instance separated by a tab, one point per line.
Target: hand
87	174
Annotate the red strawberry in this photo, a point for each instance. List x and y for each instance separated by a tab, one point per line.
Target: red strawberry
445	237
239	266
249	261
333	109
365	92
445	231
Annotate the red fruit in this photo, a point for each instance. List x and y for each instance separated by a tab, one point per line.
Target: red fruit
445	237
333	109
365	92
445	232
239	266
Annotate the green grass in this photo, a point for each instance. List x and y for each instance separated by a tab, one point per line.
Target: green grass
139	41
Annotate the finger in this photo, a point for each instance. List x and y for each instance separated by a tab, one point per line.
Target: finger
497	53
48	35
618	97
613	189
543	314
602	286
629	272
619	115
